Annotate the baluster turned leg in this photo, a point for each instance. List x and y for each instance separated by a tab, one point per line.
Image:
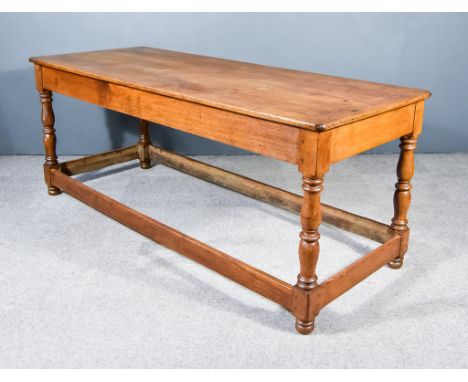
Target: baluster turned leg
143	145
308	253
50	141
402	196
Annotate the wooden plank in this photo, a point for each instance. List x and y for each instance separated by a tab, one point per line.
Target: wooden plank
418	119
364	135
356	224
306	100
338	284
314	153
263	137
275	196
38	77
227	179
234	269
97	161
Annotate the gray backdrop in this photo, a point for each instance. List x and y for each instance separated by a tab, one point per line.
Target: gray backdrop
422	50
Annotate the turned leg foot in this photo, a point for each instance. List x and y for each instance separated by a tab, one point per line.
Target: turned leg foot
396	264
145	165
304	327
52	190
143	145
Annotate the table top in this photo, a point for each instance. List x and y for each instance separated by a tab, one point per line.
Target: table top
302	99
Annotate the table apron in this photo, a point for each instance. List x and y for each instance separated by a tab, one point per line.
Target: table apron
357	137
263	137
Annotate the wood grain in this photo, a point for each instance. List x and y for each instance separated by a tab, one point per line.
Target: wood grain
338	284
418	119
364	135
291	97
38	77
98	161
143	144
253	134
314	152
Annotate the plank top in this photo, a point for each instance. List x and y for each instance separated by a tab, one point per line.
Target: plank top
302	99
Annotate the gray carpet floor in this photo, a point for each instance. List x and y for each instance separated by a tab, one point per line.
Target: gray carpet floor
79	290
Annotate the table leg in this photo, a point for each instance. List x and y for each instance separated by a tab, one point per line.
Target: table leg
309	249
50	140
143	145
402	196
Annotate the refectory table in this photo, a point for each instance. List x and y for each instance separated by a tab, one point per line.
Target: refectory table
309	120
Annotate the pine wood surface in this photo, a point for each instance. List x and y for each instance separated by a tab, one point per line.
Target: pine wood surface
297	98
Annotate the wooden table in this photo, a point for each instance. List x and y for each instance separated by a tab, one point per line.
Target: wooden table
310	120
